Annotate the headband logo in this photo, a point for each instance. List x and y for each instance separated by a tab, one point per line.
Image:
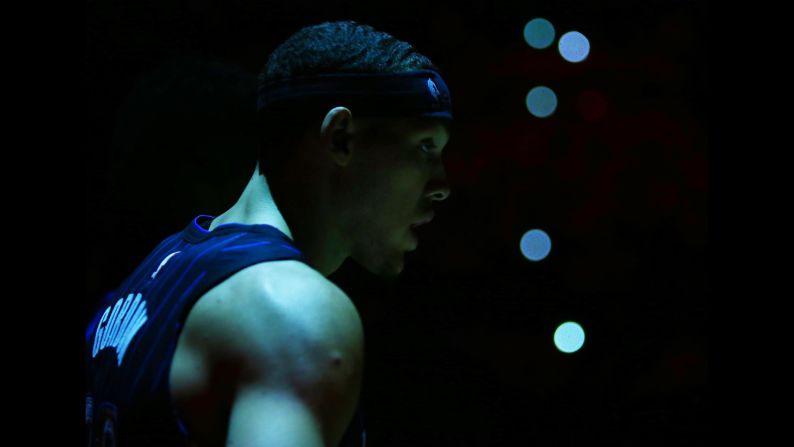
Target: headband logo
433	90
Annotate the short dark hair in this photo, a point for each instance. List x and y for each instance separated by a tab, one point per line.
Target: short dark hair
329	47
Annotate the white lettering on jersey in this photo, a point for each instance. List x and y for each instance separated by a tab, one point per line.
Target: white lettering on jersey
126	318
167	258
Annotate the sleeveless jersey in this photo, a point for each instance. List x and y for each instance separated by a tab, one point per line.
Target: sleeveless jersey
131	340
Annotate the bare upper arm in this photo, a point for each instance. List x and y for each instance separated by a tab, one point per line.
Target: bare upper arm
296	346
262	416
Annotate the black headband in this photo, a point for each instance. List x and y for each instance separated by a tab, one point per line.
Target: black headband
419	93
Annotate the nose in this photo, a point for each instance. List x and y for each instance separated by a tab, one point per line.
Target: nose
438	187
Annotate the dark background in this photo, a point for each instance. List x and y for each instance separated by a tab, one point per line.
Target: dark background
459	347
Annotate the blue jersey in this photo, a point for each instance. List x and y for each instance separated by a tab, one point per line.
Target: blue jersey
131	340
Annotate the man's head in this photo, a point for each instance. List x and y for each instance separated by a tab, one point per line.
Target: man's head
376	176
326	48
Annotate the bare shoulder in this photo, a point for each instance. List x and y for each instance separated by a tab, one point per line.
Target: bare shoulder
280	298
271	330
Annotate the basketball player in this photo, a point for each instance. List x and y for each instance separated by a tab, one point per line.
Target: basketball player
228	332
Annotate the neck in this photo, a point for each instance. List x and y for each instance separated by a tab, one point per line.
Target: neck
255	206
311	228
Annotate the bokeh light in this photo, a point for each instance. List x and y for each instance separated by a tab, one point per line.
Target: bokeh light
541	101
569	337
535	245
574	46
539	33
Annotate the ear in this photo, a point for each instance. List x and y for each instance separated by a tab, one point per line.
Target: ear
335	136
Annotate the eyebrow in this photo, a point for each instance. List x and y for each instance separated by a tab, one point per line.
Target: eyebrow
432	141
426	124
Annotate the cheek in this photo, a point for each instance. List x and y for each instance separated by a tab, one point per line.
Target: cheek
410	188
384	207
392	193
402	190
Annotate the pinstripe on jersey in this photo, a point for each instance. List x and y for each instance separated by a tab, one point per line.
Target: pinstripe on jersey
131	341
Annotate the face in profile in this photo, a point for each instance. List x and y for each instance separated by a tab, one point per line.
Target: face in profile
397	176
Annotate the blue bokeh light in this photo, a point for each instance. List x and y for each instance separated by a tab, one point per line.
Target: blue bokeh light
539	33
569	337
541	101
574	46
535	245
